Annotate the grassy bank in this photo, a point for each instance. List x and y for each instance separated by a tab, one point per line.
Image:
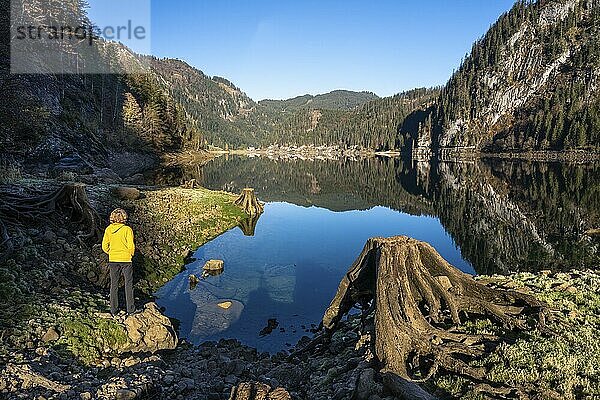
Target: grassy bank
171	223
53	282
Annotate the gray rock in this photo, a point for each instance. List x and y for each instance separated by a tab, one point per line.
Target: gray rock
126	193
51	335
367	385
49	236
168	380
149	331
125	394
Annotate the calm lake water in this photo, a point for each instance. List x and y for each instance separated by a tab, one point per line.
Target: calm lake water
482	218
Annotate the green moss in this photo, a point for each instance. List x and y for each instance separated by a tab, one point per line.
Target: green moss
178	221
87	338
566	362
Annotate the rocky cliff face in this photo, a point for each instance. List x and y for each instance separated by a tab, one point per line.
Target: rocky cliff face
530	83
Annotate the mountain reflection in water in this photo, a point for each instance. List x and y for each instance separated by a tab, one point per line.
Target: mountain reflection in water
484	217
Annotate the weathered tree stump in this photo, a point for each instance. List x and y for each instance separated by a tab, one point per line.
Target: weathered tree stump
249	203
257	391
70	199
419	300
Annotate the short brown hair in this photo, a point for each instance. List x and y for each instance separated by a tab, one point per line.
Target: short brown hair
118	216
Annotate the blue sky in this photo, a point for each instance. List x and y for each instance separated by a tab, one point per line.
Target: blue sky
285	48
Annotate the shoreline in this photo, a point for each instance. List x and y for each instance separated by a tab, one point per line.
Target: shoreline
341	368
312	153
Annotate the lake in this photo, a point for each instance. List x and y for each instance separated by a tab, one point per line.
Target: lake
483	217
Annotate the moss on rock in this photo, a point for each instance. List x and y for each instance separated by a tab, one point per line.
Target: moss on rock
91	338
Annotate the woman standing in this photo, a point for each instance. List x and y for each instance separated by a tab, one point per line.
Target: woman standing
118	244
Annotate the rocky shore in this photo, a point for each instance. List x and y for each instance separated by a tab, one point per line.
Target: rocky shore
58	342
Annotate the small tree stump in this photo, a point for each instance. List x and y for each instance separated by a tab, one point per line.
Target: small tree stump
249	203
419	300
257	391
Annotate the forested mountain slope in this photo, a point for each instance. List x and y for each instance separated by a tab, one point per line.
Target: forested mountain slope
81	123
531	83
336	100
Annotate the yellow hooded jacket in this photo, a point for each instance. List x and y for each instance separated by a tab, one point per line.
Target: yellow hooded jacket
118	243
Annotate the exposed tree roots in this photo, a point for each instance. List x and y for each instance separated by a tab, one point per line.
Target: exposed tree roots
70	200
257	391
420	301
249	203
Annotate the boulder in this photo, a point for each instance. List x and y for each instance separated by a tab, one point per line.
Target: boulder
137	179
126	193
213	265
51	335
150	331
71	164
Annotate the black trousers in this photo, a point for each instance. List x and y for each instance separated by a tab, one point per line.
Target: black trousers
116	269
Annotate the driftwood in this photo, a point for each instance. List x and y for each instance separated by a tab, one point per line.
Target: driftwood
70	199
419	302
248	202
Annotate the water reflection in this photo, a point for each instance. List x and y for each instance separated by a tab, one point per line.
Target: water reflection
288	271
504	215
488	217
248	226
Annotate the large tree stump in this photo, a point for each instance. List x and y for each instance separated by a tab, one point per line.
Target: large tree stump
419	301
249	203
70	199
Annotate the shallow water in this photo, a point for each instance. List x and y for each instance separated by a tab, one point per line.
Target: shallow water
289	270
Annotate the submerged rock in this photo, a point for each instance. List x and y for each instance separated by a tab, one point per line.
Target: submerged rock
272	324
225	305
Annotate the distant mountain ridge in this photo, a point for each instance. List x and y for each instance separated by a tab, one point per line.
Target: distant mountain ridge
531	83
335	100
